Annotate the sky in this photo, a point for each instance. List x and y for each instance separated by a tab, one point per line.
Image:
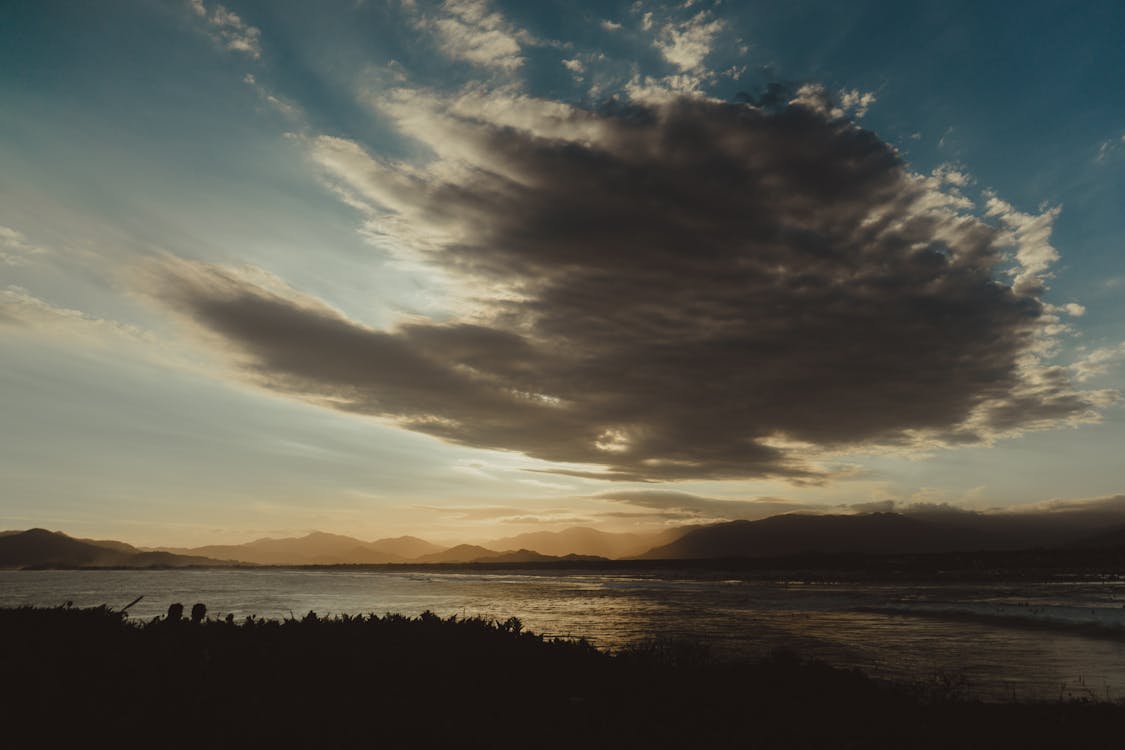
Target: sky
471	268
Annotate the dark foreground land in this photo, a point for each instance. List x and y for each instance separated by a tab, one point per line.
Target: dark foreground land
93	677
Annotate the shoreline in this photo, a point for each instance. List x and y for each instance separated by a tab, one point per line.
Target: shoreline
923	568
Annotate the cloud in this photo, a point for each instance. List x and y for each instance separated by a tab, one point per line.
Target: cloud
1098	362
284	107
687	44
575	66
685	289
874	506
1074	309
476	512
1109	147
15	248
1113	504
1030	236
687	507
228	28
856	101
849	102
23	310
493	514
470	30
681	506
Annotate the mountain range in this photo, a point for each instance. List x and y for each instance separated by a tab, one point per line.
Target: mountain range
318	548
585	541
777	536
39	548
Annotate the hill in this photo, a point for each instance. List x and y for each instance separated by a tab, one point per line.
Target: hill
587	542
530	556
317	548
516	556
39	548
1108	539
797	534
462	553
406	547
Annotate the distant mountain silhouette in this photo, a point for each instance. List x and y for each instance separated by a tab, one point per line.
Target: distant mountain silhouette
517	556
471	553
798	534
42	548
588	542
462	553
317	548
112	544
922	529
530	556
407	547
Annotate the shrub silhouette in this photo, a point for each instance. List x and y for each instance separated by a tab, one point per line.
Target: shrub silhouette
397	681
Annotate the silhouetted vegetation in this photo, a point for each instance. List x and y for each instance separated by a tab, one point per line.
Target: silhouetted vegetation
396	681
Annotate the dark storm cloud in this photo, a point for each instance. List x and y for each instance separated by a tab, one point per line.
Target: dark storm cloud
691	289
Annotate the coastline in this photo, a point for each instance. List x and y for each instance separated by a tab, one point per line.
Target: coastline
981	566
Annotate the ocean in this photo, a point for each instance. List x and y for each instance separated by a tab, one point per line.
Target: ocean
993	641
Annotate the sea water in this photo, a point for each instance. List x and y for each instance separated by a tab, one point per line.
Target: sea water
1026	641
